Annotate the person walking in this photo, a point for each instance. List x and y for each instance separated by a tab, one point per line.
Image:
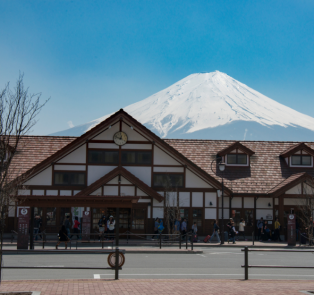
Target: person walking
215	232
76	228
260	225
111	226
63	237
156	227
183	228
277	230
67	225
241	229
101	226
177	226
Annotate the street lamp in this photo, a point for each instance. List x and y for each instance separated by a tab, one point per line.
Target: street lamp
222	167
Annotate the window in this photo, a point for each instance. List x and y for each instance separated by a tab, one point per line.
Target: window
103	157
168	180
197	216
69	178
237	159
138	219
51	216
136	157
301	160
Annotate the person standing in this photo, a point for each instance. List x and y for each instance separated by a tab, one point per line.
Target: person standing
260	225
76	227
111	226
277	229
241	229
156	227
63	237
215	232
232	232
67	225
183	228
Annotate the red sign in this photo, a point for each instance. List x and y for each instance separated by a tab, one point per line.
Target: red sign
23	228
86	223
291	230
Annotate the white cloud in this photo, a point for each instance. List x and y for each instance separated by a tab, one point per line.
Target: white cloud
71	125
245	134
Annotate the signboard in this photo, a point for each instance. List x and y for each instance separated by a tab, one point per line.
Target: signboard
291	230
86	224
23	227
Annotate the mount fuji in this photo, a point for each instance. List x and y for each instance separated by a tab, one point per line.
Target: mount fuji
214	106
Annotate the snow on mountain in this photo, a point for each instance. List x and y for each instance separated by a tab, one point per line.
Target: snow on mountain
213	106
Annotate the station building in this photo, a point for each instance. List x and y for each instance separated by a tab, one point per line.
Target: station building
121	164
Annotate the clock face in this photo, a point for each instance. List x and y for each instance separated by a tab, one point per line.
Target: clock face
120	138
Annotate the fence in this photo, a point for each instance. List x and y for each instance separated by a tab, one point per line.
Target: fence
116	251
246	265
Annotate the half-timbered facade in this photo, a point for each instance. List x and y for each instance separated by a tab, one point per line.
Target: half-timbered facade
121	164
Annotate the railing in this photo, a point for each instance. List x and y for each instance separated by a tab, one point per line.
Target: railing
246	265
116	267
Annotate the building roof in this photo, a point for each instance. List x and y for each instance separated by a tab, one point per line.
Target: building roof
233	146
266	171
295	148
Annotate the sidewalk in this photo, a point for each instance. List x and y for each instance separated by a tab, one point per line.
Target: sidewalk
159	286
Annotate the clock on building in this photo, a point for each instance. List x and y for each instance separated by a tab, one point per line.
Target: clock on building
120	138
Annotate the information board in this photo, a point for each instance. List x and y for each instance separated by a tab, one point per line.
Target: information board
86	223
23	227
291	230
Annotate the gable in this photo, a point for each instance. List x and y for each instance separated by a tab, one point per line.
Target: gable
77	156
42	178
162	158
108	133
193	181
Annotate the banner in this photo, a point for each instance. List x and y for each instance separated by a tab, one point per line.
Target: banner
86	224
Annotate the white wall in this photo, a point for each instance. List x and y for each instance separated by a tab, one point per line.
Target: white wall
40	192
248	202
197	199
96	145
307	190
125	181
211	197
293	201
226	202
144	200
111	190
70	167
97	192
171	199
226	213
77	156
263	202
51	192
65	193
295	190
158	212
42	178
184	199
127	190
161	158
140	193
210	213
143	173
132	133
193	180
96	172
263	213
236	202
108	133
169	169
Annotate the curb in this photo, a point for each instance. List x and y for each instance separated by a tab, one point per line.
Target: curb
164	251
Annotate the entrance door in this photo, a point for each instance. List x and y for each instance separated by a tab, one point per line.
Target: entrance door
124	218
138	220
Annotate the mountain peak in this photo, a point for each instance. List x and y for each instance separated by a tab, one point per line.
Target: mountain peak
207	100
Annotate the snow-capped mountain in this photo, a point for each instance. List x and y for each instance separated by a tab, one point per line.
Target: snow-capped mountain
214	106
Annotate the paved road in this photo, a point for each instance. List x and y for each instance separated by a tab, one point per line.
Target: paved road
213	263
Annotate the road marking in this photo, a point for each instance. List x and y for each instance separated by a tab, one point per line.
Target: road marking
96	277
200	255
49	266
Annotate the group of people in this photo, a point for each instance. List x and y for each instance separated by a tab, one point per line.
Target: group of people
106	227
65	231
264	233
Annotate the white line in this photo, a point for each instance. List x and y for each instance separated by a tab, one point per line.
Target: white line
49	266
96	276
200	255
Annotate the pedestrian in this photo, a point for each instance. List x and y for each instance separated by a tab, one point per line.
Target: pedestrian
177	226
260	225
215	232
266	231
101	226
36	227
111	226
232	232
241	228
156	227
277	230
67	225
161	226
40	224
183	228
63	237
194	228
76	228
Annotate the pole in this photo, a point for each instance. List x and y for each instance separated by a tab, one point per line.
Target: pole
117	264
222	215
160	241
117	226
180	237
246	263
31	230
186	241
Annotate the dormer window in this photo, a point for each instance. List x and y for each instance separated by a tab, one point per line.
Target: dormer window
301	160
237	159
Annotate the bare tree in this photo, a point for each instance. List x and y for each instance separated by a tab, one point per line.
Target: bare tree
18	112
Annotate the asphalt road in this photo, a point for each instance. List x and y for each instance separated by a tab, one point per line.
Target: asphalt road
213	263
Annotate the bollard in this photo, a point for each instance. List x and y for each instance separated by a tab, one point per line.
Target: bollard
159	241
180	237
246	263
192	244
117	264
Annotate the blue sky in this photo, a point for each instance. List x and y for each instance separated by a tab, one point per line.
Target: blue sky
95	57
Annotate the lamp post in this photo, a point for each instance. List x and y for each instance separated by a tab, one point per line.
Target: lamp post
222	167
